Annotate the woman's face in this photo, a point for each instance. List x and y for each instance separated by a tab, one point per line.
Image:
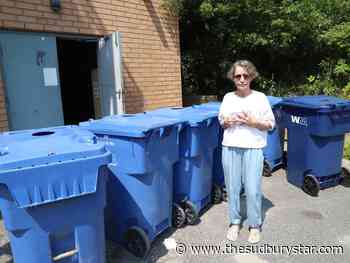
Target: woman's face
241	79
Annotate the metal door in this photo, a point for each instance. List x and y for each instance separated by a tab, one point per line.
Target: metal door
30	69
110	75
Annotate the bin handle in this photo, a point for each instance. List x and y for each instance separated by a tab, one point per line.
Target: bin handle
278	115
181	126
334	117
165	131
4	151
342	105
147	133
65	255
209	122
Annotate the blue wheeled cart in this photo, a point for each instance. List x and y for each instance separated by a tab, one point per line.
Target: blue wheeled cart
52	195
316	127
274	156
140	188
218	190
193	172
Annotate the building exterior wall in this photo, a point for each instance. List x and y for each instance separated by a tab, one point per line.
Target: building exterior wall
3	114
150	42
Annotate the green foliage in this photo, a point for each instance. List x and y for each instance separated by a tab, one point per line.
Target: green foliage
299	47
174	7
347	150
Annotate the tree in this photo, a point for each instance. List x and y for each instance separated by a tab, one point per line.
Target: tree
299	47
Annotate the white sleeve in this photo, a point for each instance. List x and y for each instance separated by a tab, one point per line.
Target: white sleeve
222	110
268	114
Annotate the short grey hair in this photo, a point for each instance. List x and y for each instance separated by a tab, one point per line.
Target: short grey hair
247	65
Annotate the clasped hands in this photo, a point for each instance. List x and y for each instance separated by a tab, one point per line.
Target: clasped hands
239	119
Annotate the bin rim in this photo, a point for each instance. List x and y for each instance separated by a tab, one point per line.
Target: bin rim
21	149
274	101
321	102
129	125
179	113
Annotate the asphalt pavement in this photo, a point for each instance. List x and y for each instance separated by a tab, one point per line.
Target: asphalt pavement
297	228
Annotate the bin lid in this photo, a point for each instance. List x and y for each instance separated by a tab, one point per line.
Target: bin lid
320	102
28	148
274	100
128	125
212	105
190	115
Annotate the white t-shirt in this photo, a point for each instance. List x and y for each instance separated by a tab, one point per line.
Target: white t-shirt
243	136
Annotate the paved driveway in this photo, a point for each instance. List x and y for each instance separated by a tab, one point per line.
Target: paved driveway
292	219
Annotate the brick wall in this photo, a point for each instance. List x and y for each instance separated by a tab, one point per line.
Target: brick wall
3	114
151	51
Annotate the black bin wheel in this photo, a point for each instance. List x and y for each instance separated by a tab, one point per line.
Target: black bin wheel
311	185
267	170
190	211
137	242
216	194
179	216
345	173
345	177
224	194
285	160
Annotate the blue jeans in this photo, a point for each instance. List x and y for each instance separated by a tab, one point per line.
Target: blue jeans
243	165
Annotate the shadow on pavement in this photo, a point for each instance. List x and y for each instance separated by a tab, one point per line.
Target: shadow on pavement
116	252
5	249
266	205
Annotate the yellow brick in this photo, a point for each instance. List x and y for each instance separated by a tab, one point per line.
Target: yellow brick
64	23
105	11
71	29
31	26
53	28
10	10
13	24
44	8
32	1
25	6
3	117
7	17
32	13
52	15
8	3
26	19
79	24
69	18
84	19
108	2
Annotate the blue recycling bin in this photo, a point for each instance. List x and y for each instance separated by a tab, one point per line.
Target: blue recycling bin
316	126
274	156
139	192
218	190
52	195
193	171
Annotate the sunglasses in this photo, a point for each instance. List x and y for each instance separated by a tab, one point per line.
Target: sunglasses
239	76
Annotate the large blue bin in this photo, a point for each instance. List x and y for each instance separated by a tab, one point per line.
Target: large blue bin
316	127
193	172
273	151
219	189
139	192
52	195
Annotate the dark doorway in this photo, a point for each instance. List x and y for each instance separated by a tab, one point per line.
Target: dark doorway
77	60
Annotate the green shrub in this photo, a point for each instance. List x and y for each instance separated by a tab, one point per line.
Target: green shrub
347	150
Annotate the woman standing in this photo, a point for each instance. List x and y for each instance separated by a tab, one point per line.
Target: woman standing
245	115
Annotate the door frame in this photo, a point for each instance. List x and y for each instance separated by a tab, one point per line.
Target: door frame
68	36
